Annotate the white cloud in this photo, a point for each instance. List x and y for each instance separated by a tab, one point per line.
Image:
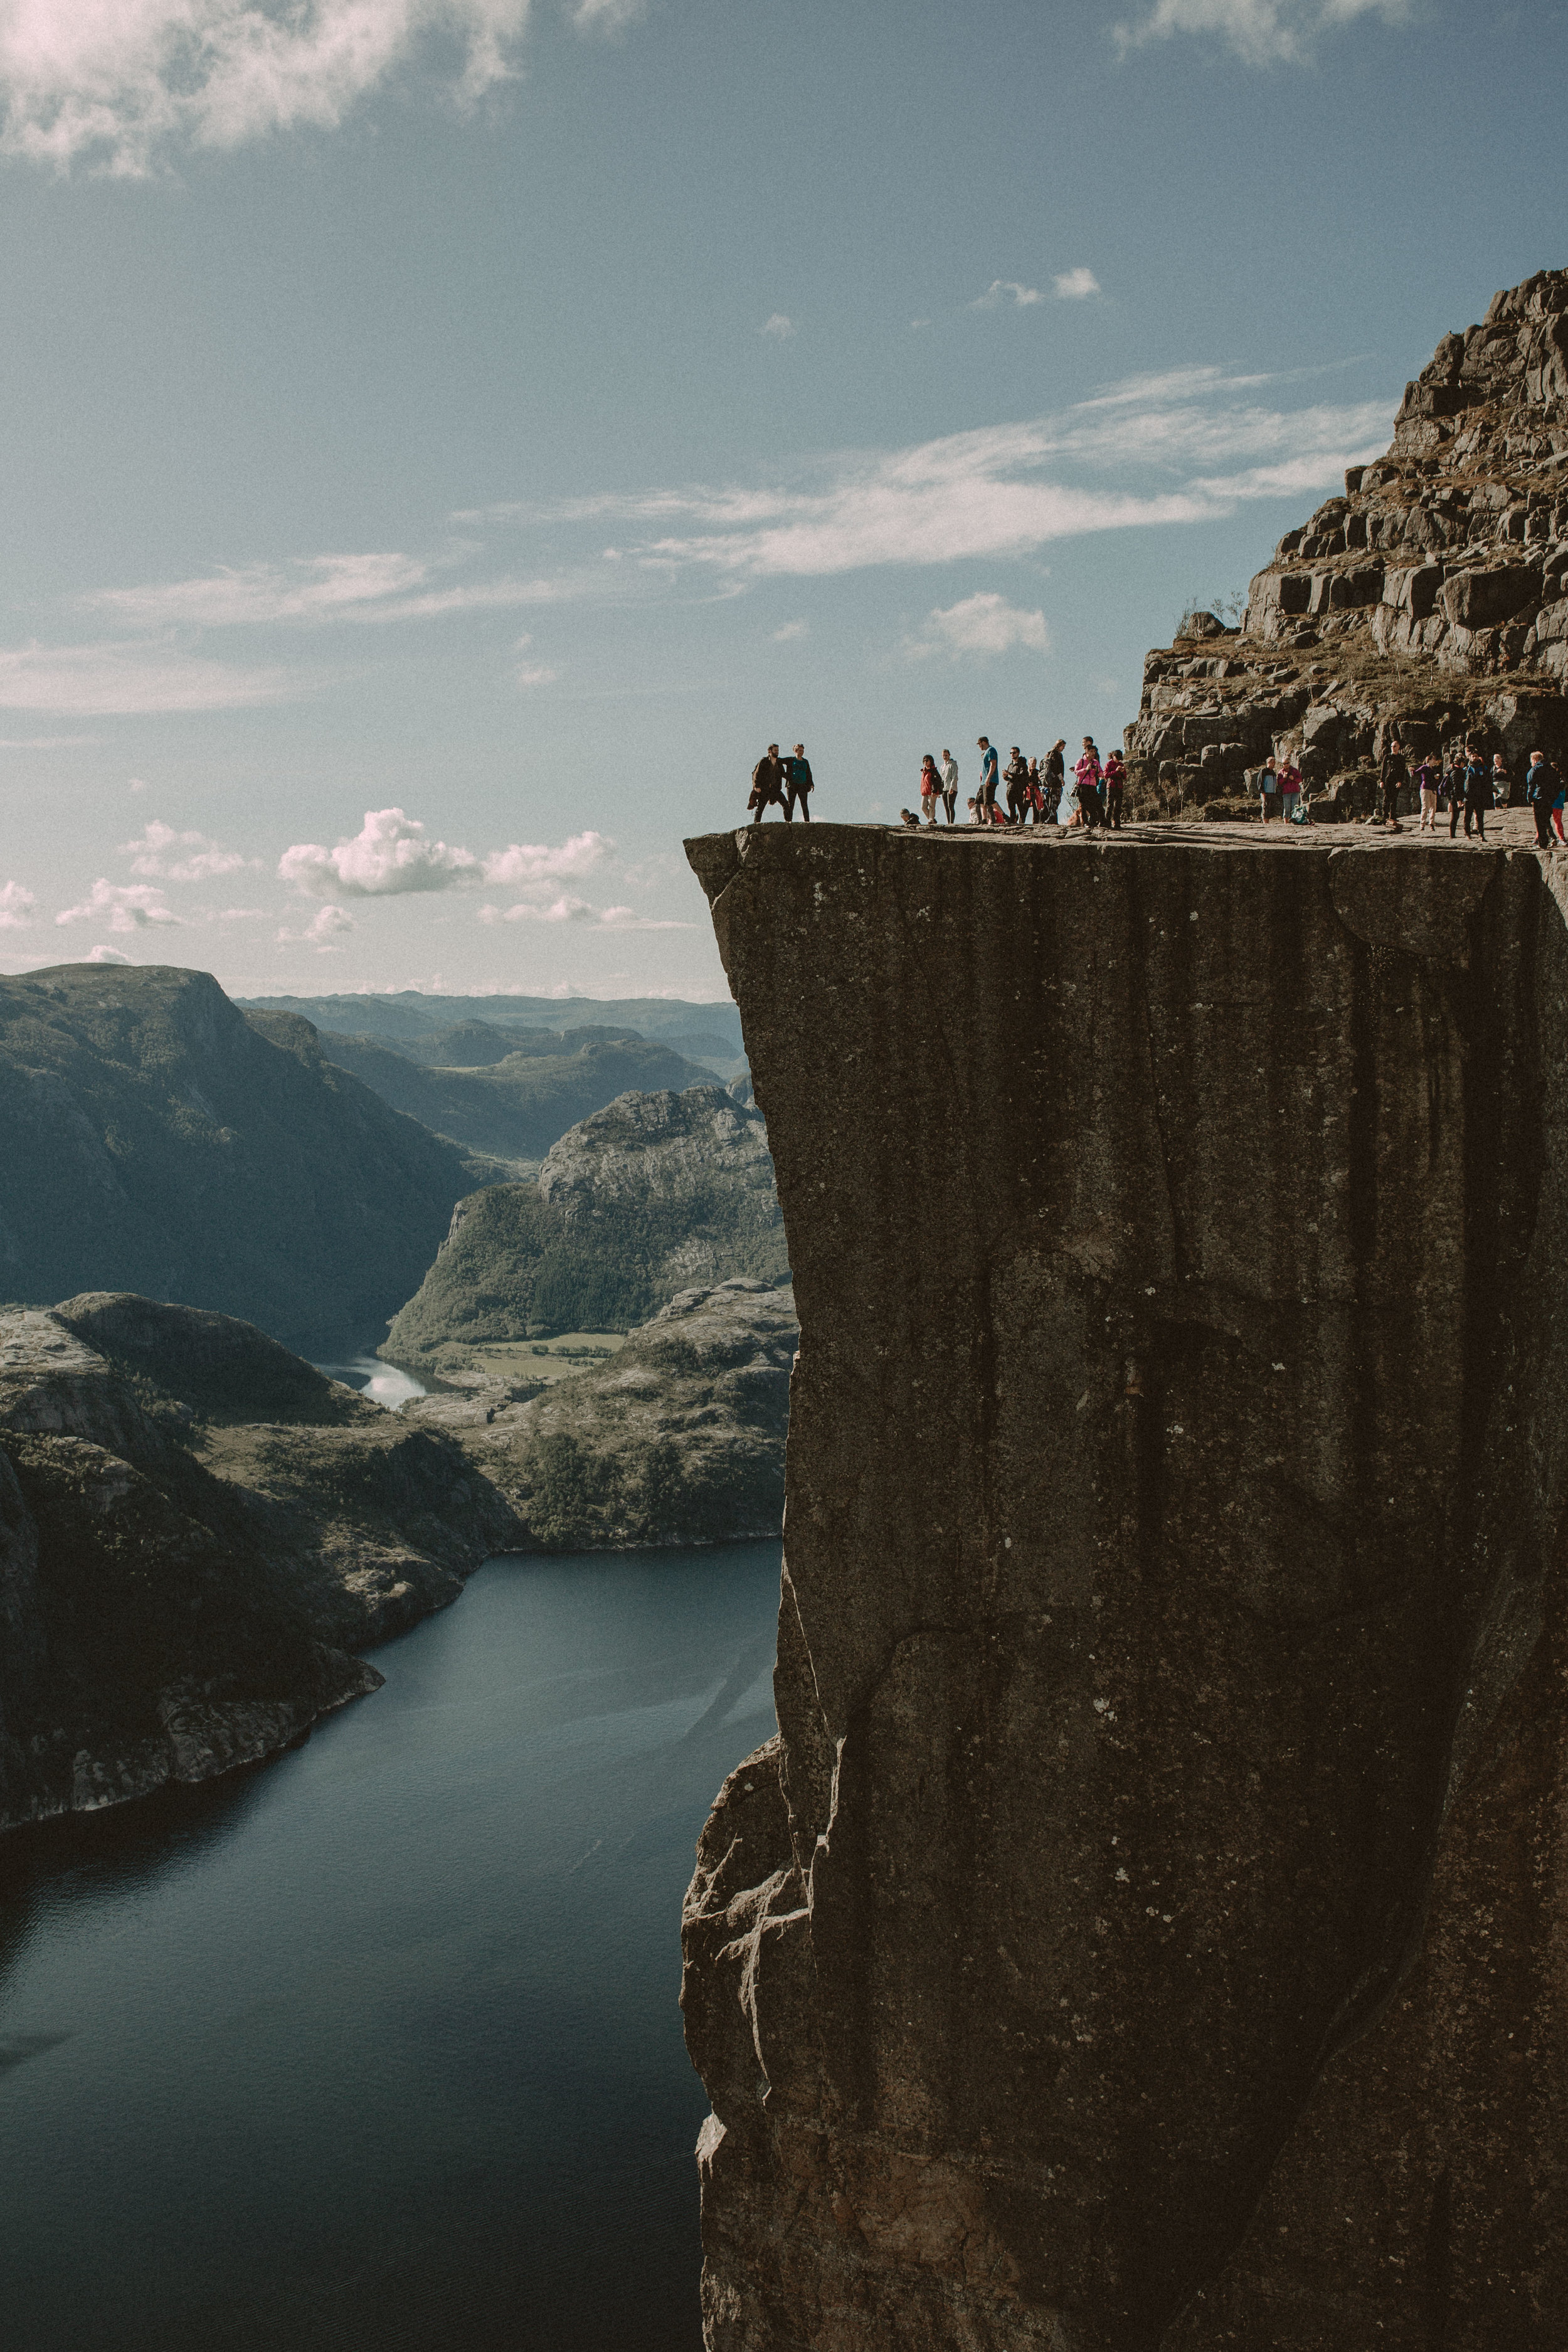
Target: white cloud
606	15
119	83
16	906
49	743
199	859
535	673
105	955
97	679
1006	289
1183	446
390	856
778	326
791	631
323	932
1075	285
1261	32
384	586
917	323
983	624
133	906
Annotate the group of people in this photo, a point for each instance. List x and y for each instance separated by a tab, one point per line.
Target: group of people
1464	781
784	783
1036	790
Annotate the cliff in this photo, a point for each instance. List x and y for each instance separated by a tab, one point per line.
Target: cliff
196	1532
1432	598
1147	1927
153	1139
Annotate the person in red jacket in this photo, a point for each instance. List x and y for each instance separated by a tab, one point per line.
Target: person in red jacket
1115	785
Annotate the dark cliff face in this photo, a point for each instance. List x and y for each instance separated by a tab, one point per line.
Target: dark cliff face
1432	598
1121	1944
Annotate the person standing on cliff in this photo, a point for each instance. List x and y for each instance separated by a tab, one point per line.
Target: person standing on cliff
1393	773
1087	771
987	794
1055	778
950	786
1015	776
930	788
797	784
1267	787
1477	793
1428	776
1115	785
1287	784
767	783
1453	786
1542	787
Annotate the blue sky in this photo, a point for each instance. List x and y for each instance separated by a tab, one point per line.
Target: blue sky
446	439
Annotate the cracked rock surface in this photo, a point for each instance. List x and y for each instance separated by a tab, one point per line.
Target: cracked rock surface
1146	1929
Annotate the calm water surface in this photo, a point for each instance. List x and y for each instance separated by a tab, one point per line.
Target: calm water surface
377	2045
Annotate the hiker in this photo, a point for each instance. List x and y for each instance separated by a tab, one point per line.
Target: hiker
1267	788
1502	782
950	786
930	789
1454	787
1016	775
1115	785
988	795
1542	787
767	783
1557	813
908	817
1287	784
1394	773
1053	779
1087	771
1477	793
797	785
1428	776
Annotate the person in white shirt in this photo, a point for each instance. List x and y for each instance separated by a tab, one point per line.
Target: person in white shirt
950	786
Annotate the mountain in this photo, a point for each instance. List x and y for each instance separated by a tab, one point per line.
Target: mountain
408	1014
1430	600
650	1195
155	1138
678	1438
516	1108
197	1531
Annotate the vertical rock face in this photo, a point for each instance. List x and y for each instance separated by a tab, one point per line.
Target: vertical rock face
1147	1926
1432	596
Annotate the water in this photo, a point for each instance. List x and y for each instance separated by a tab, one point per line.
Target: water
386	1385
377	2045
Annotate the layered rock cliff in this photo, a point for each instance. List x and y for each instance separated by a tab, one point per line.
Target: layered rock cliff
1432	597
1147	1928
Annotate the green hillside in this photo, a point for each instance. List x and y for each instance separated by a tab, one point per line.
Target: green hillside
654	1194
406	1014
155	1139
519	1106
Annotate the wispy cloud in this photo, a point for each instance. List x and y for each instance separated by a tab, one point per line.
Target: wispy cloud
179	857
95	680
1182	446
380	587
16	906
134	906
1075	285
984	624
1260	32
47	742
778	326
105	955
120	84
791	632
1005	290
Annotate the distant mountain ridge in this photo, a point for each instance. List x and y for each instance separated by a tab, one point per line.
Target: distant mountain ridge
155	1138
408	1014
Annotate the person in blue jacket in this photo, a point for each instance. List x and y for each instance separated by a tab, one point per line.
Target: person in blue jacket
1543	788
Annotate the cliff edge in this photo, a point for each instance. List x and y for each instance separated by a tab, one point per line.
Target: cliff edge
1147	1927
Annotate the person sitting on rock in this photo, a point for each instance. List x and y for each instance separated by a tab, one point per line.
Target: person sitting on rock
1115	785
908	817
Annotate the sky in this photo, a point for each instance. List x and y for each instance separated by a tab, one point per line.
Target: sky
444	441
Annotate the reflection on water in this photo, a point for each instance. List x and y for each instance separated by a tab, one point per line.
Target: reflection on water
386	1385
377	2045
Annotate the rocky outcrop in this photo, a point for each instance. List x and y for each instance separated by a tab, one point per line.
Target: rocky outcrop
183	1582
153	1139
1146	1929
1431	598
678	1438
655	1194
